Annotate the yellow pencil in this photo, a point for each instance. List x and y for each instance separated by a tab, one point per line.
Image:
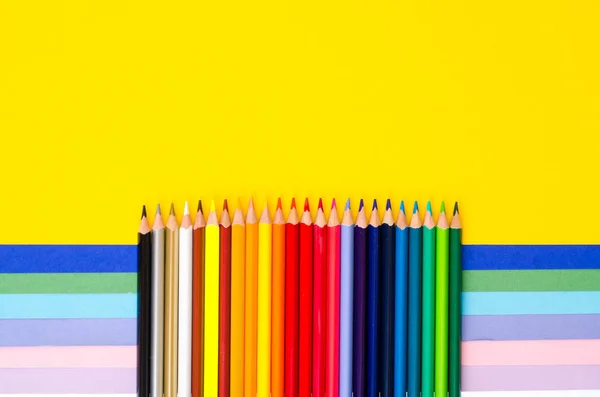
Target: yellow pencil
211	305
265	243
238	271
250	315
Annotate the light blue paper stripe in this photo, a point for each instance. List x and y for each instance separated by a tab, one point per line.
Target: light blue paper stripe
507	303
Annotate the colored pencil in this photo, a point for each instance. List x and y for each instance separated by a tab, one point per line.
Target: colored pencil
305	304
292	284
360	303
263	355
332	369
373	302
428	327
211	304
386	342
454	333
184	327
198	304
144	252
413	380
171	303
441	303
251	302
319	303
401	304
346	302
158	309
238	271
278	299
224	300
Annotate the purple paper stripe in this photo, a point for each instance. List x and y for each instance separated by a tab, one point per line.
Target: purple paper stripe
529	377
531	327
68	380
69	332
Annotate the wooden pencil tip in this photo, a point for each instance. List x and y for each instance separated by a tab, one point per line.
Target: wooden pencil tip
333	204
443	209
456	208
402	206
374	205
320	207
225	206
279	203
212	205
293	203
158	209
361	205
306	205
143	211
347	204
388	205
265	217
172	210
429	207
200	206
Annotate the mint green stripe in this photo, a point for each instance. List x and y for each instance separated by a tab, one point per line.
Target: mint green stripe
530	280
68	283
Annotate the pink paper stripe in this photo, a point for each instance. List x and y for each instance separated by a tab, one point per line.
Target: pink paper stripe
68	357
506	378
540	352
67	380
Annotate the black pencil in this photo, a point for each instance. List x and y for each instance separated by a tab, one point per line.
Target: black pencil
144	286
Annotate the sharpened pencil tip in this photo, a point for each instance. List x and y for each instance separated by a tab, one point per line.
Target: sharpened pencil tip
225	205
158	209
172	210
199	206
361	205
333	204
456	208
212	205
374	205
443	209
416	207
388	204
429	207
293	203
143	211
347	204
320	207
186	209
402	206
278	203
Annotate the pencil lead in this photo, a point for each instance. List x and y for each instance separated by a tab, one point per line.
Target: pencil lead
361	205
158	209
456	208
225	206
416	207
279	203
200	206
293	203
212	205
320	207
306	206
374	205
402	206
443	209
186	209
172	210
333	204
429	207
143	211
347	204
388	205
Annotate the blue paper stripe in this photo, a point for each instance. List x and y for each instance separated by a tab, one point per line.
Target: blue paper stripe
508	303
530	257
24	306
68	258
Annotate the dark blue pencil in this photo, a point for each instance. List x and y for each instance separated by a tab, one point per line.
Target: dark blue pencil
386	330
401	304
414	305
372	301
360	302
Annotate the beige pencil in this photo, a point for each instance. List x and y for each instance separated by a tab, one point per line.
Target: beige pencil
171	304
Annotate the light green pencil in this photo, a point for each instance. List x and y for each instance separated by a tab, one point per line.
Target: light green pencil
441	304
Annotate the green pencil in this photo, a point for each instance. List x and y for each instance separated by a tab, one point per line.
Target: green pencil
441	304
455	291
428	343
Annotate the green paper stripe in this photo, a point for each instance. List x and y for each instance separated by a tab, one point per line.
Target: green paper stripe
68	283
530	280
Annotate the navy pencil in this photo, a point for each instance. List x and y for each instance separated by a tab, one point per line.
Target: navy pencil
386	330
360	300
373	260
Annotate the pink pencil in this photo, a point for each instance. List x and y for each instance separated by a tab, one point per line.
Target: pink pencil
319	304
333	303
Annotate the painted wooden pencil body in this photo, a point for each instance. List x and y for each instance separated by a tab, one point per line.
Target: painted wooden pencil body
171	304
224	301
386	334
292	285
305	305
346	302
332	369
278	303
198	304
238	271
144	306
360	303
401	305
265	246
441	304
319	304
373	304
184	343
158	309
413	382
251	302
211	305
454	334
428	324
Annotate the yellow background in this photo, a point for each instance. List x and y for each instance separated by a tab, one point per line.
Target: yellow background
107	105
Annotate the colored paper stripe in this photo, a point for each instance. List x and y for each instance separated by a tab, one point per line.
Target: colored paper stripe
68	283
551	352
557	377
533	393
65	357
69	332
530	257
68	380
14	306
531	327
530	280
67	258
506	303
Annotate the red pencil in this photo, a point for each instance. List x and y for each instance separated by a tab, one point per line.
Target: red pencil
224	300
198	305
292	230
332	370
306	292
319	302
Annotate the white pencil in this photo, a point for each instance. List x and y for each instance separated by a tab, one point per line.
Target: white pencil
184	378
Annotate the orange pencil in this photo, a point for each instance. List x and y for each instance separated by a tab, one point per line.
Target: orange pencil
238	280
251	320
278	303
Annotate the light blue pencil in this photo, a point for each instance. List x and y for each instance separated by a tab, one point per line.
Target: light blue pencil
401	304
346	302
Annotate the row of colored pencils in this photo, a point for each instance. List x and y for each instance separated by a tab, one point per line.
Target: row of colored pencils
268	307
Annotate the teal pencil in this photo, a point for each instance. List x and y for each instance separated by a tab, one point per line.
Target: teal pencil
442	239
428	328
